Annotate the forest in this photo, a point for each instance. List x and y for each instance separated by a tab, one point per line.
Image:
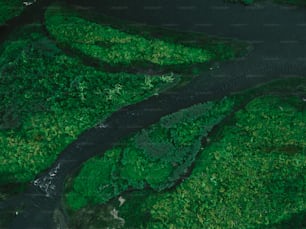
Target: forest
229	151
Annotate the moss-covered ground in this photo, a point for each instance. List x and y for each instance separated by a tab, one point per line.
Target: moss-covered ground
9	9
250	174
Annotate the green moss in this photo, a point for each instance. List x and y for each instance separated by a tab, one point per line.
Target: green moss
47	99
246	178
9	9
156	157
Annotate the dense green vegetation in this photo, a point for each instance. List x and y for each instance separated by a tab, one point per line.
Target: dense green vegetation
252	170
117	45
156	157
252	174
9	9
47	99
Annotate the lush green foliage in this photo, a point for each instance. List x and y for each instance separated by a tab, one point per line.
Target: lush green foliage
251	175
47	99
113	46
157	156
9	9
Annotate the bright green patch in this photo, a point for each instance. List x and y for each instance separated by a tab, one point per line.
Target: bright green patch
156	157
9	9
253	176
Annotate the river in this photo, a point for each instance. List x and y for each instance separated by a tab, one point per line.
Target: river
276	32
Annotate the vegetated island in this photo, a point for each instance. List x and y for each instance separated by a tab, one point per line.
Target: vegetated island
249	173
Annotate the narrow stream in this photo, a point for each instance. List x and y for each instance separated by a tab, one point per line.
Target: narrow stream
277	33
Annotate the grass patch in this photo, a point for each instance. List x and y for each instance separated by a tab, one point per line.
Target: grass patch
9	9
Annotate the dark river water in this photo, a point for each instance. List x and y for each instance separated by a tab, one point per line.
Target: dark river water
278	36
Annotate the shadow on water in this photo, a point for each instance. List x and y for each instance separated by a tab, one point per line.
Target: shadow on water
297	220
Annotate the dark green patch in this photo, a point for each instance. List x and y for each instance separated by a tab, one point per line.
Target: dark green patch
287	149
